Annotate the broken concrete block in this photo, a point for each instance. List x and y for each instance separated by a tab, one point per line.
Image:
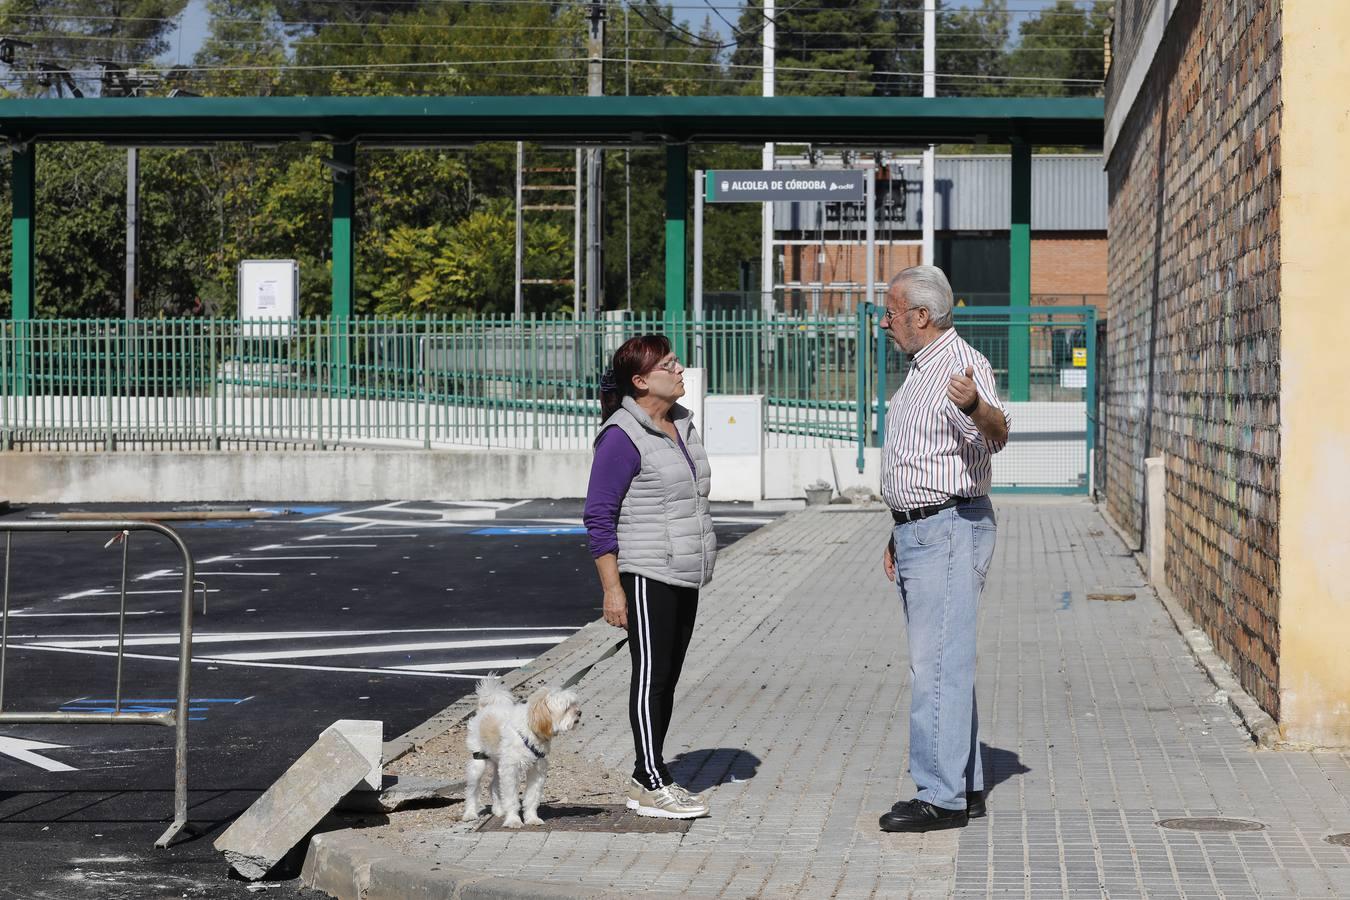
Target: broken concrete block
399	791
285	813
367	736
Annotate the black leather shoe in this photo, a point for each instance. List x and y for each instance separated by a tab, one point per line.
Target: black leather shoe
916	815
975	804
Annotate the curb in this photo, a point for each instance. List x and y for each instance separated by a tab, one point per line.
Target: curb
1264	730
345	864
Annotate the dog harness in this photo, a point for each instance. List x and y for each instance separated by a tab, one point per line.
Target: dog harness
539	754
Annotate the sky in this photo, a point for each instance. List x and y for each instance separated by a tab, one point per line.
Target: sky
195	20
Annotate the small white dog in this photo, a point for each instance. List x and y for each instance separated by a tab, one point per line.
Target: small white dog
510	739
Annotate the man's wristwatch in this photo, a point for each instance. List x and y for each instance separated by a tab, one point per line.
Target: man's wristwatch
974	405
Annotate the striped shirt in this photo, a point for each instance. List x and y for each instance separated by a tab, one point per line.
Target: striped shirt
933	450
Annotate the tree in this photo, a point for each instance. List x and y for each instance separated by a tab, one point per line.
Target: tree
971	50
1063	43
829	48
93	42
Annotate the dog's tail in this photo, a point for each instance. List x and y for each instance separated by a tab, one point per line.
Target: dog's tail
490	691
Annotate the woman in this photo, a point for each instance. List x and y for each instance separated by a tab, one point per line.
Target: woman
651	535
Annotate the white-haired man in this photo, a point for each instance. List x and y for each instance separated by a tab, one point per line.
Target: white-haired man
943	426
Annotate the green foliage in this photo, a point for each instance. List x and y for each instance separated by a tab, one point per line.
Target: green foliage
1064	42
464	268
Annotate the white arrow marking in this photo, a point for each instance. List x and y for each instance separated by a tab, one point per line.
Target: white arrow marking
22	750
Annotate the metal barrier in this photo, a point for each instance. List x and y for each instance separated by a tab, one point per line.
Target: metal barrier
178	718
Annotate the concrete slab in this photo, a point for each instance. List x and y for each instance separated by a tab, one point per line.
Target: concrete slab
367	736
290	808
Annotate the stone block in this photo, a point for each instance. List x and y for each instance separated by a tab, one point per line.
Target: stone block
290	808
367	736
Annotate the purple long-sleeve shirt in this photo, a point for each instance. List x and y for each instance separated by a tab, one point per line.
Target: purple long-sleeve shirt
613	469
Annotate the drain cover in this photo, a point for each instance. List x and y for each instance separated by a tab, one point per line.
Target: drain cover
595	817
1340	840
1210	823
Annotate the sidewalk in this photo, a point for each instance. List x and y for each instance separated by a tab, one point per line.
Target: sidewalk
1096	721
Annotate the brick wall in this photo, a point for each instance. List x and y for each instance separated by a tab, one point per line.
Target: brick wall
1194	239
1068	263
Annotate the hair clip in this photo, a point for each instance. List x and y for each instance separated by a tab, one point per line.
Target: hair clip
607	382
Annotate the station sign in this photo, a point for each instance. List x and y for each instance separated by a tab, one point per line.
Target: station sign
783	185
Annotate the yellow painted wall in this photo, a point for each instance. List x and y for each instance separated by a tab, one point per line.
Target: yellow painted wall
1315	374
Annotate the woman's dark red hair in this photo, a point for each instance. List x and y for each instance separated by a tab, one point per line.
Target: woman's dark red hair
635	356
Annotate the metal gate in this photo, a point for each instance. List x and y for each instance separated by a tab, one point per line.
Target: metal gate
1044	359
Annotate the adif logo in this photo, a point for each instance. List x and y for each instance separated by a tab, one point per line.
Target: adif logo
726	185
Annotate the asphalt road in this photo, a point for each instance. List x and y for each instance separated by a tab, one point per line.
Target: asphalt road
375	611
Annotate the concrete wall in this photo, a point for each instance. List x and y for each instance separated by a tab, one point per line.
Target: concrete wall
1195	315
1314	557
326	476
315	476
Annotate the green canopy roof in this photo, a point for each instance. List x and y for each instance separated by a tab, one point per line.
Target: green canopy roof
600	120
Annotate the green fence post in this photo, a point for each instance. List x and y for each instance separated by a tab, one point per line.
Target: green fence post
344	254
23	168
1019	273
1091	398
677	185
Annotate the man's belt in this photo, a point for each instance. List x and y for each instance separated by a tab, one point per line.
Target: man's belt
923	512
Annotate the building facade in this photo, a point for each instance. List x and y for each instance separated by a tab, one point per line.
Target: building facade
822	249
1225	206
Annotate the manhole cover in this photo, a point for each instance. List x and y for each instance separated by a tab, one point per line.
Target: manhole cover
595	817
1340	840
1210	823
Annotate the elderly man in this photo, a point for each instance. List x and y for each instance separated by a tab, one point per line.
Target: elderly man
944	425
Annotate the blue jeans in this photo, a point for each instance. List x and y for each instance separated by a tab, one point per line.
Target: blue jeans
940	567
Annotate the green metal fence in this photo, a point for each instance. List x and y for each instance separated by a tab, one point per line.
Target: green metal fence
501	382
496	381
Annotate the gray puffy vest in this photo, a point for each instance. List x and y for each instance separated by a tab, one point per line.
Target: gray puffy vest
665	525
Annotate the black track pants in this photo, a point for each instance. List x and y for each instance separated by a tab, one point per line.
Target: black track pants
660	623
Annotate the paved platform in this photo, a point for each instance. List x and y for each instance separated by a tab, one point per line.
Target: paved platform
1097	724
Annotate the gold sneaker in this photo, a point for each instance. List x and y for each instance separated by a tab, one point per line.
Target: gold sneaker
664	803
685	794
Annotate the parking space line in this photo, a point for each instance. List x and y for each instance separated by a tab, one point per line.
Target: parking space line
244	637
22	614
111	592
477	665
216	661
392	648
293	547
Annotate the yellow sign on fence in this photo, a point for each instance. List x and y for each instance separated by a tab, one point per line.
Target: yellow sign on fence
1080	357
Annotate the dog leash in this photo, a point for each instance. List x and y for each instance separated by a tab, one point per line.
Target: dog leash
581	673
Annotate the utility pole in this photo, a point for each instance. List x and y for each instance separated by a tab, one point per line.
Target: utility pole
595	46
766	278
133	222
929	154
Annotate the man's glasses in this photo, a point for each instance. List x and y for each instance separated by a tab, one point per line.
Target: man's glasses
891	315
